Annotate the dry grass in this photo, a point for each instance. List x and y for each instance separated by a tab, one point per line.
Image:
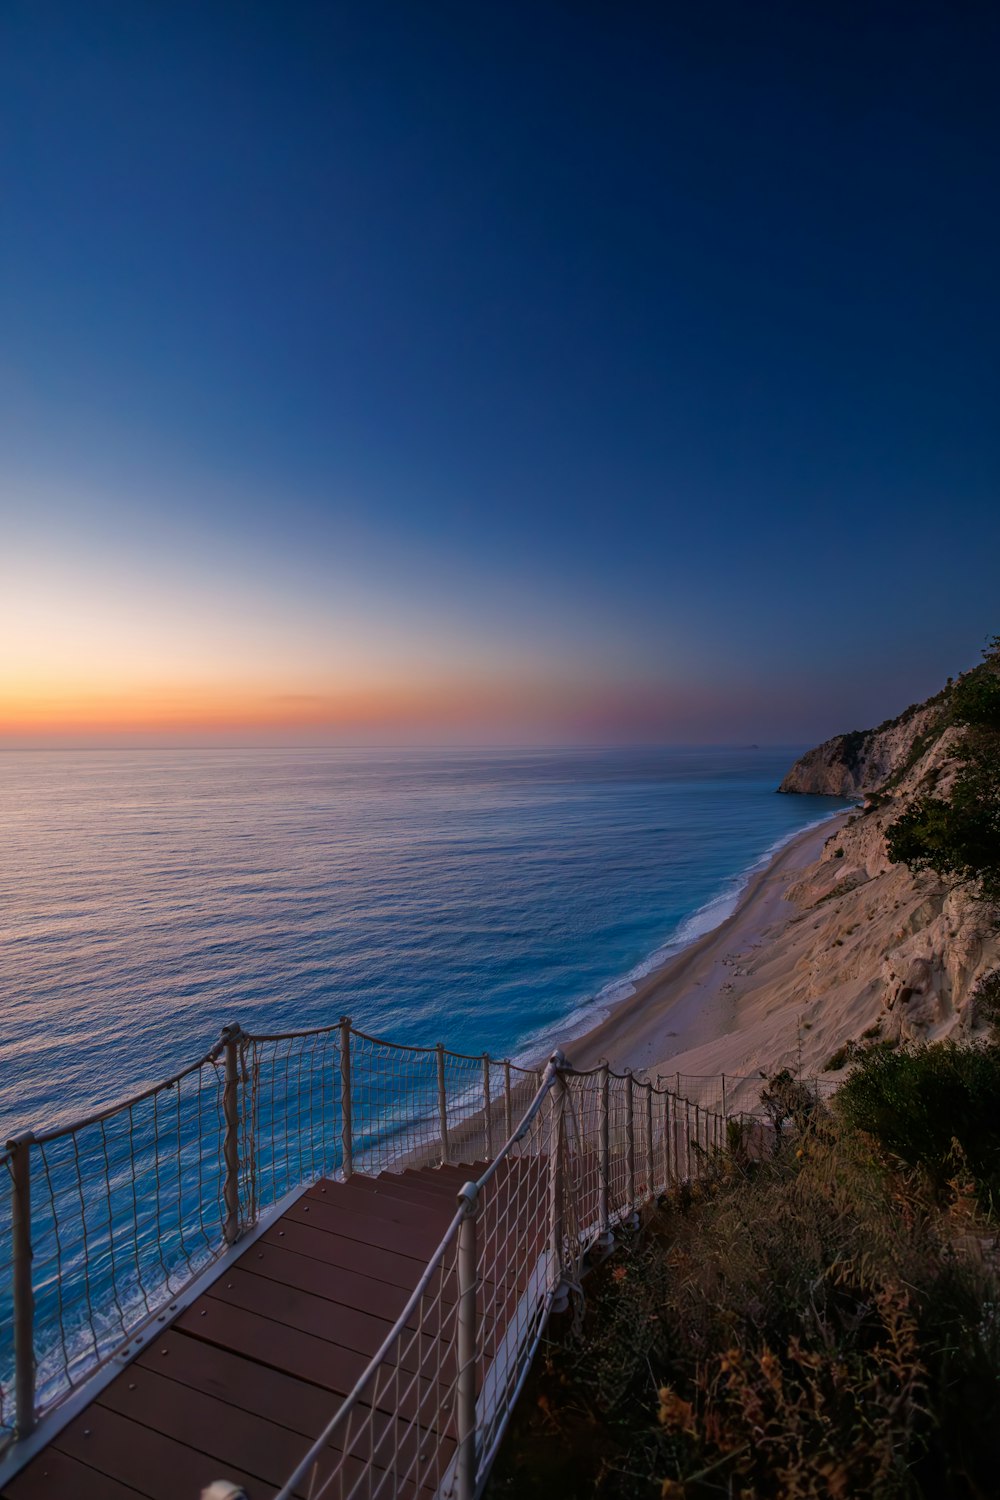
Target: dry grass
813	1325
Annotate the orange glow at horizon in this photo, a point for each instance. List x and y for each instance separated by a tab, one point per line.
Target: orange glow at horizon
75	715
105	653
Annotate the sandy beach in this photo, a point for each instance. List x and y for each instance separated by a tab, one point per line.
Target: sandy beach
684	1015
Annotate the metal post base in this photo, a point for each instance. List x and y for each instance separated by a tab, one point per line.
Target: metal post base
560	1299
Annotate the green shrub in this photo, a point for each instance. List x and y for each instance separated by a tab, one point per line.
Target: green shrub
985	999
976	699
934	1107
958	837
787	1100
839	1059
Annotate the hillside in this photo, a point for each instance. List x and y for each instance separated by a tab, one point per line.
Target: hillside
860	947
901	950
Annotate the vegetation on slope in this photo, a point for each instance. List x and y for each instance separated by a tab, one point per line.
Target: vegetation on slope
959	836
822	1321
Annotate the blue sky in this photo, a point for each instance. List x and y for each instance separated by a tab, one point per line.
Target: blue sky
582	372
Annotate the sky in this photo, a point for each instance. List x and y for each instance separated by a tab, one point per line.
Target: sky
494	373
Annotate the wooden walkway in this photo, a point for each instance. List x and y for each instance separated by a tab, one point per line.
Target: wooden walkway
251	1372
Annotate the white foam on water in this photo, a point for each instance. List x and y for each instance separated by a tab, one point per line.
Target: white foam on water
707	917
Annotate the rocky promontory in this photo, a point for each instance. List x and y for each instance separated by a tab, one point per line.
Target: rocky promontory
863	761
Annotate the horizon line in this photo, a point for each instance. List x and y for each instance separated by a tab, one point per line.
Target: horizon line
392	745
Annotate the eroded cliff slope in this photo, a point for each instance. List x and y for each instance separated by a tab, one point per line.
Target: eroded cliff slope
892	953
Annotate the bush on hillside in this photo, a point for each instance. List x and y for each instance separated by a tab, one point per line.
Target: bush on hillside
787	1101
933	1107
959	837
985	1000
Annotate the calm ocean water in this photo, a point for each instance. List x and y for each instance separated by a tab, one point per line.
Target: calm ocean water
477	898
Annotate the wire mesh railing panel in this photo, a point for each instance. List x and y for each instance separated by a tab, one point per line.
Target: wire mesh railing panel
661	1155
293	1111
455	1358
464	1110
126	1209
395	1105
7	1412
619	1195
394	1437
525	1246
582	1130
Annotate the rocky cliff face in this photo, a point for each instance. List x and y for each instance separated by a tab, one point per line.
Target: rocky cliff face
853	764
900	954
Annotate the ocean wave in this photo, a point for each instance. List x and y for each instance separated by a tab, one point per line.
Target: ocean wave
592	1011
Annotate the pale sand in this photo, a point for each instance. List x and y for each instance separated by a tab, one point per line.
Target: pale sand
685	1016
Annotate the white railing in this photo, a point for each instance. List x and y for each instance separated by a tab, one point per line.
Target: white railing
105	1221
110	1220
429	1411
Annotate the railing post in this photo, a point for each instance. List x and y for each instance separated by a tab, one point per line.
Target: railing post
605	1238
487	1106
687	1136
557	1095
630	1141
508	1104
697	1131
23	1286
231	1140
442	1105
724	1110
468	1275
346	1107
649	1139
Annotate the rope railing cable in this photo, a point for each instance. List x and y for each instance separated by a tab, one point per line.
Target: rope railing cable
132	1202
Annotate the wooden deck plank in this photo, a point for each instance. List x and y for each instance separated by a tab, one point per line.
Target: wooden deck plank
420	1242
393	1267
336	1284
285	1399
423	1213
225	1433
337	1322
233	1437
342	1327
255	1368
158	1466
56	1476
273	1344
302	1354
410	1189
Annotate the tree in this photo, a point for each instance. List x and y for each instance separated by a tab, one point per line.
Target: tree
959	837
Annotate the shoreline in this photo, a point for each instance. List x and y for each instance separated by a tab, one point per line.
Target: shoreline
684	1002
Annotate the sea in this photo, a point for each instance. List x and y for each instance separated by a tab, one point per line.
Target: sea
484	899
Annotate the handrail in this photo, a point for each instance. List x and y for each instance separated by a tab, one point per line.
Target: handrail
108	1218
134	1199
468	1197
487	1349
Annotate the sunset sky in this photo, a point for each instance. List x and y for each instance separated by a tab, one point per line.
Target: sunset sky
508	373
